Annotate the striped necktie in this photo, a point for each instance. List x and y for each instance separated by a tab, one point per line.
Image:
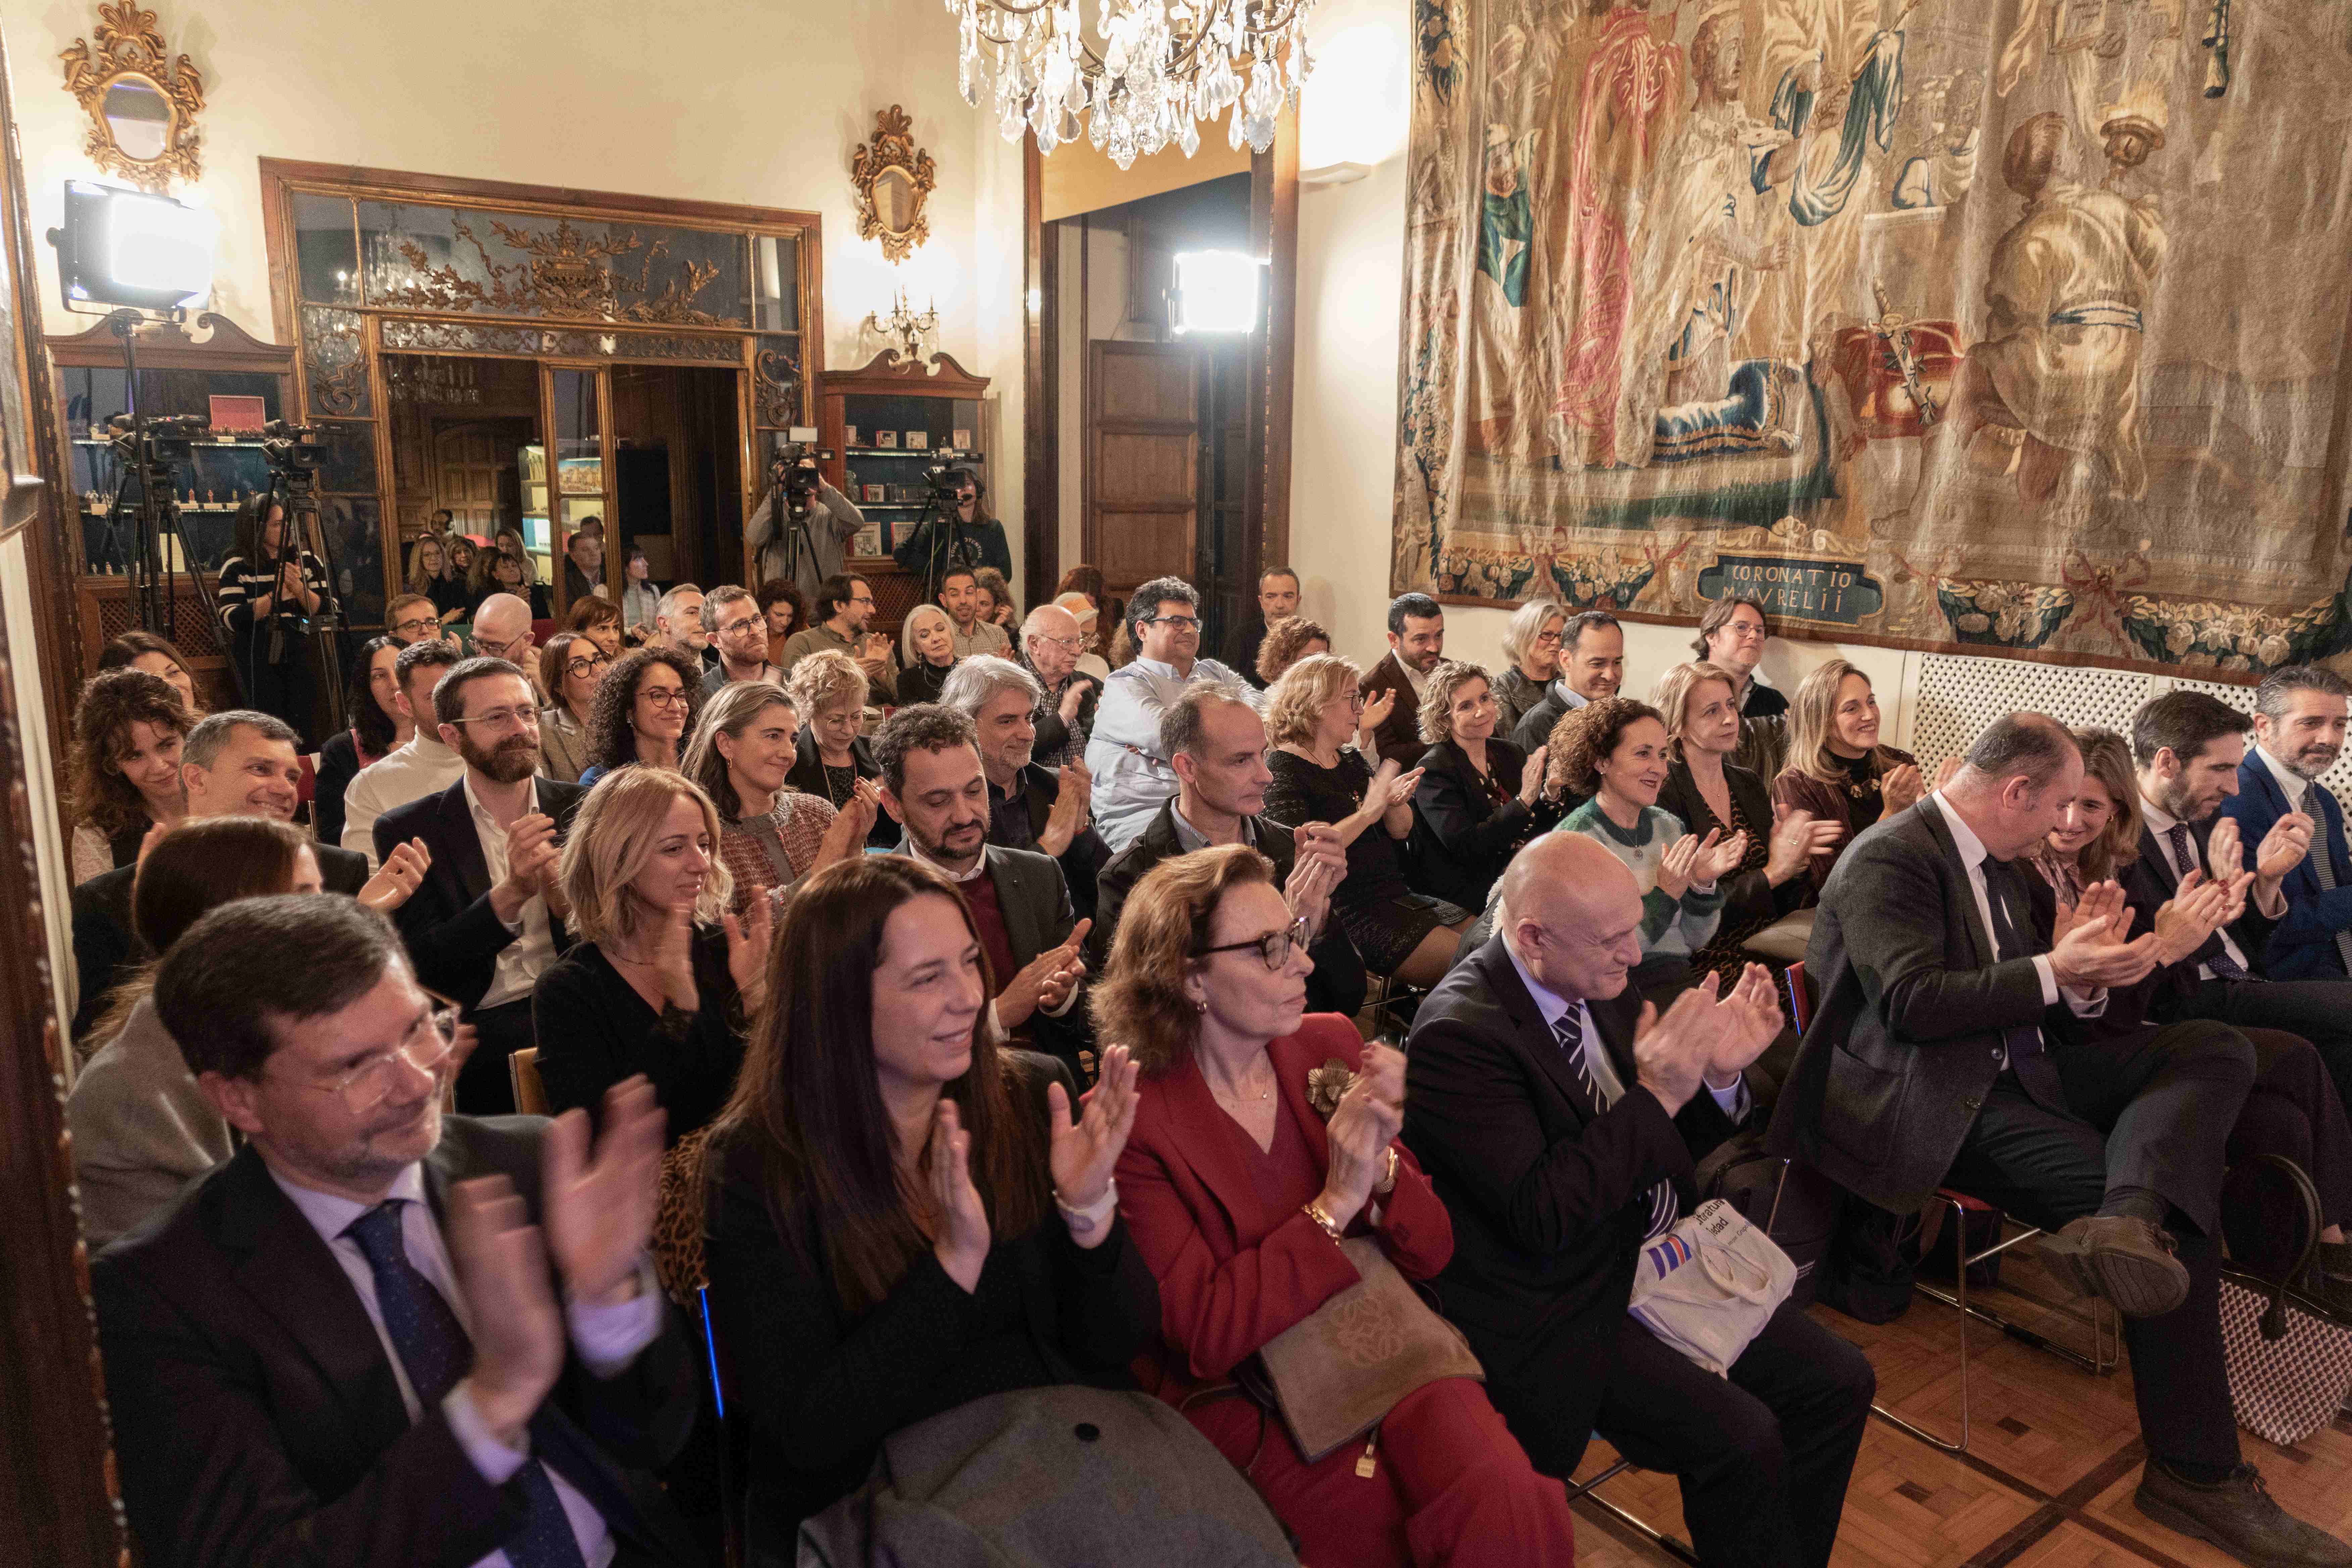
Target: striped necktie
1569	1030
2215	953
2322	866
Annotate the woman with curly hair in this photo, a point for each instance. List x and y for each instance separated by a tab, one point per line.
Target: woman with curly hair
156	656
1615	749
1288	641
123	769
1311	716
1263	1136
644	706
380	725
1480	798
829	691
770	833
1837	770
785	606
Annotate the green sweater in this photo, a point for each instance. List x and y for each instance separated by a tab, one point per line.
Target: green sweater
1678	928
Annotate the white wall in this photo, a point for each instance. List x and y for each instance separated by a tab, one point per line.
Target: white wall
752	101
1343	458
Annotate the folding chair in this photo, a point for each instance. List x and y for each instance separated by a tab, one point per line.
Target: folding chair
1588	1492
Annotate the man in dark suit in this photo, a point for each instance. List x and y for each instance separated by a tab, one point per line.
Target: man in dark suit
379	1337
1216	742
242	763
1591	667
1948	1046
1277	599
488	920
1416	646
2299	718
1560	1119
1029	806
933	784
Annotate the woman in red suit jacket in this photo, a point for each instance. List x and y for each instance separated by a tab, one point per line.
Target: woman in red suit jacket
1237	1194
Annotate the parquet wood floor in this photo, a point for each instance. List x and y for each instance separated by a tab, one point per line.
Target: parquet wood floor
2054	1457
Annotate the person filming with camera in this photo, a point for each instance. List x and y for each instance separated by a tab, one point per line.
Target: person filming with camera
264	578
803	526
956	532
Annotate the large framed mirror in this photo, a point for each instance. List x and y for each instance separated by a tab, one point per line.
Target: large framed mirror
143	104
893	179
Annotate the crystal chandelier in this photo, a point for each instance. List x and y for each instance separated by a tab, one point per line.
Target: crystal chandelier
1149	71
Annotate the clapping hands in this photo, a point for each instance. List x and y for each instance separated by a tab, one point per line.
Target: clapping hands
1900	788
1321	865
1085	1152
402	873
2095	952
1369	1117
1797	838
1705	1037
1691	859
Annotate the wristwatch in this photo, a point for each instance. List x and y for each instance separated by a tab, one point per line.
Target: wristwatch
1331	1227
1387	1183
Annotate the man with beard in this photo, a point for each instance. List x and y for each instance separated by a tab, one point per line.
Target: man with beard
2299	714
423	766
1394	686
1591	667
845	604
934	785
379	1335
489	916
1030	805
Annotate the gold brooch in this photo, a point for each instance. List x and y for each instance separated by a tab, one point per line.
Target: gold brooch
1326	1084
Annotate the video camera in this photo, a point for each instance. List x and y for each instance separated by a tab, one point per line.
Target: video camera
793	469
171	438
292	449
950	474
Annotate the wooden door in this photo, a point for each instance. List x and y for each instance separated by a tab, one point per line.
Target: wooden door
1143	448
473	462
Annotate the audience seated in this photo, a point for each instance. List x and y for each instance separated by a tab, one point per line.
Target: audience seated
2299	717
1837	771
1238	1193
845	604
1130	777
1591	667
677	622
1531	644
740	632
241	763
1731	636
1215	739
1612	753
1286	642
1084	608
1708	792
502	630
421	765
1561	1116
156	656
662	980
1030	805
1416	648
929	653
380	1334
968	632
1946	1048
571	668
123	767
996	605
489	918
833	760
902	1219
1278	601
140	1128
935	789
1050	646
1479	798
770	833
644	705
598	620
785	608
1310	716
379	726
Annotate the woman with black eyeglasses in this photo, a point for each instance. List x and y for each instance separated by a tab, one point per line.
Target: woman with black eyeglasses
569	670
642	710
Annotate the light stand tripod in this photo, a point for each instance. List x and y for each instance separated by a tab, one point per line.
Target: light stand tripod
141	450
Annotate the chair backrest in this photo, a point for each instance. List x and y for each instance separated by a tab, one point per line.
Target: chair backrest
1800	996
522	1069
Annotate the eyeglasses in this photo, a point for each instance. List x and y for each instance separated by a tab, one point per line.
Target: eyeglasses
663	696
504	718
585	667
368	1085
1059	642
498	649
1355	701
1273	947
415	628
1547	640
1182	623
751	622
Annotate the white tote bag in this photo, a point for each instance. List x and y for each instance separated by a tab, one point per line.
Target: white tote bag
1709	1286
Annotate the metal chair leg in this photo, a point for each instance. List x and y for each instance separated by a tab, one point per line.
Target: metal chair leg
1588	1492
1892	1419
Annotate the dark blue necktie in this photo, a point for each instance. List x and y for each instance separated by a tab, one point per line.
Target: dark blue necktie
2215	955
435	1352
1569	1030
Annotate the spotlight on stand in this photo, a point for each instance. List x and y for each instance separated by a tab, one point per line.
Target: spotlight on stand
1217	291
127	248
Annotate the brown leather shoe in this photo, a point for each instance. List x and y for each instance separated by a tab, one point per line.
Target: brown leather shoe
2126	1261
2240	1517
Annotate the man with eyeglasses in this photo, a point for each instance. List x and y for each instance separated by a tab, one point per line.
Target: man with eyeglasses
740	631
424	765
379	1335
489	918
1732	635
411	618
1132	777
1051	642
845	604
502	630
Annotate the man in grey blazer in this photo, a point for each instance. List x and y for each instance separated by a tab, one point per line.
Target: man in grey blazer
1947	1047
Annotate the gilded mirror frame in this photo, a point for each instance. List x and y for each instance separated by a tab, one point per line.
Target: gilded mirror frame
131	50
892	151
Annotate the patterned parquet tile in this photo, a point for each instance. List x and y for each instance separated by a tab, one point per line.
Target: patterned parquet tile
2311	1481
2071	1546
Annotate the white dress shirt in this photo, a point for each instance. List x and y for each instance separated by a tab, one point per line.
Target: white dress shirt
607	1338
523	961
2160	823
2291	783
422	767
2085	1003
1131	778
1733	1101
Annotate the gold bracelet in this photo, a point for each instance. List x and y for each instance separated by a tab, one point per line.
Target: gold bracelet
1331	1227
1387	1183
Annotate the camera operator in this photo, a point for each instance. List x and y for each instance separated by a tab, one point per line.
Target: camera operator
960	534
265	604
807	546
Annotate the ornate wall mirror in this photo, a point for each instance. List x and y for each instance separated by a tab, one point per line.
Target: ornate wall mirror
143	104
892	178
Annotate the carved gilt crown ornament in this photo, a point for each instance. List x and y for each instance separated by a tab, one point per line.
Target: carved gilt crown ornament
564	273
892	177
143	105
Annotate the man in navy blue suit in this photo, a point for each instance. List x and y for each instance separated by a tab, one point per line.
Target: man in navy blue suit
2299	732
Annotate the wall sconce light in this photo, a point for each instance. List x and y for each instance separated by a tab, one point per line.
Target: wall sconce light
1217	291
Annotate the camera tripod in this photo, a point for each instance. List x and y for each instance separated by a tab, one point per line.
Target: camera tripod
153	603
947	551
296	489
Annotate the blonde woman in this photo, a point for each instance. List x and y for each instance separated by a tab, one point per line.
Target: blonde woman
1531	660
2098	832
1480	798
927	654
828	691
771	834
431	573
663	979
1837	771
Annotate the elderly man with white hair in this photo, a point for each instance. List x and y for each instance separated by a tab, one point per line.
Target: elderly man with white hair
1051	642
1030	805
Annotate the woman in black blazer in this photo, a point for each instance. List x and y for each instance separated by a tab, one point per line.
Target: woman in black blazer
1480	798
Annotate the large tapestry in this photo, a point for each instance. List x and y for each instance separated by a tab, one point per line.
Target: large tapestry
2007	323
